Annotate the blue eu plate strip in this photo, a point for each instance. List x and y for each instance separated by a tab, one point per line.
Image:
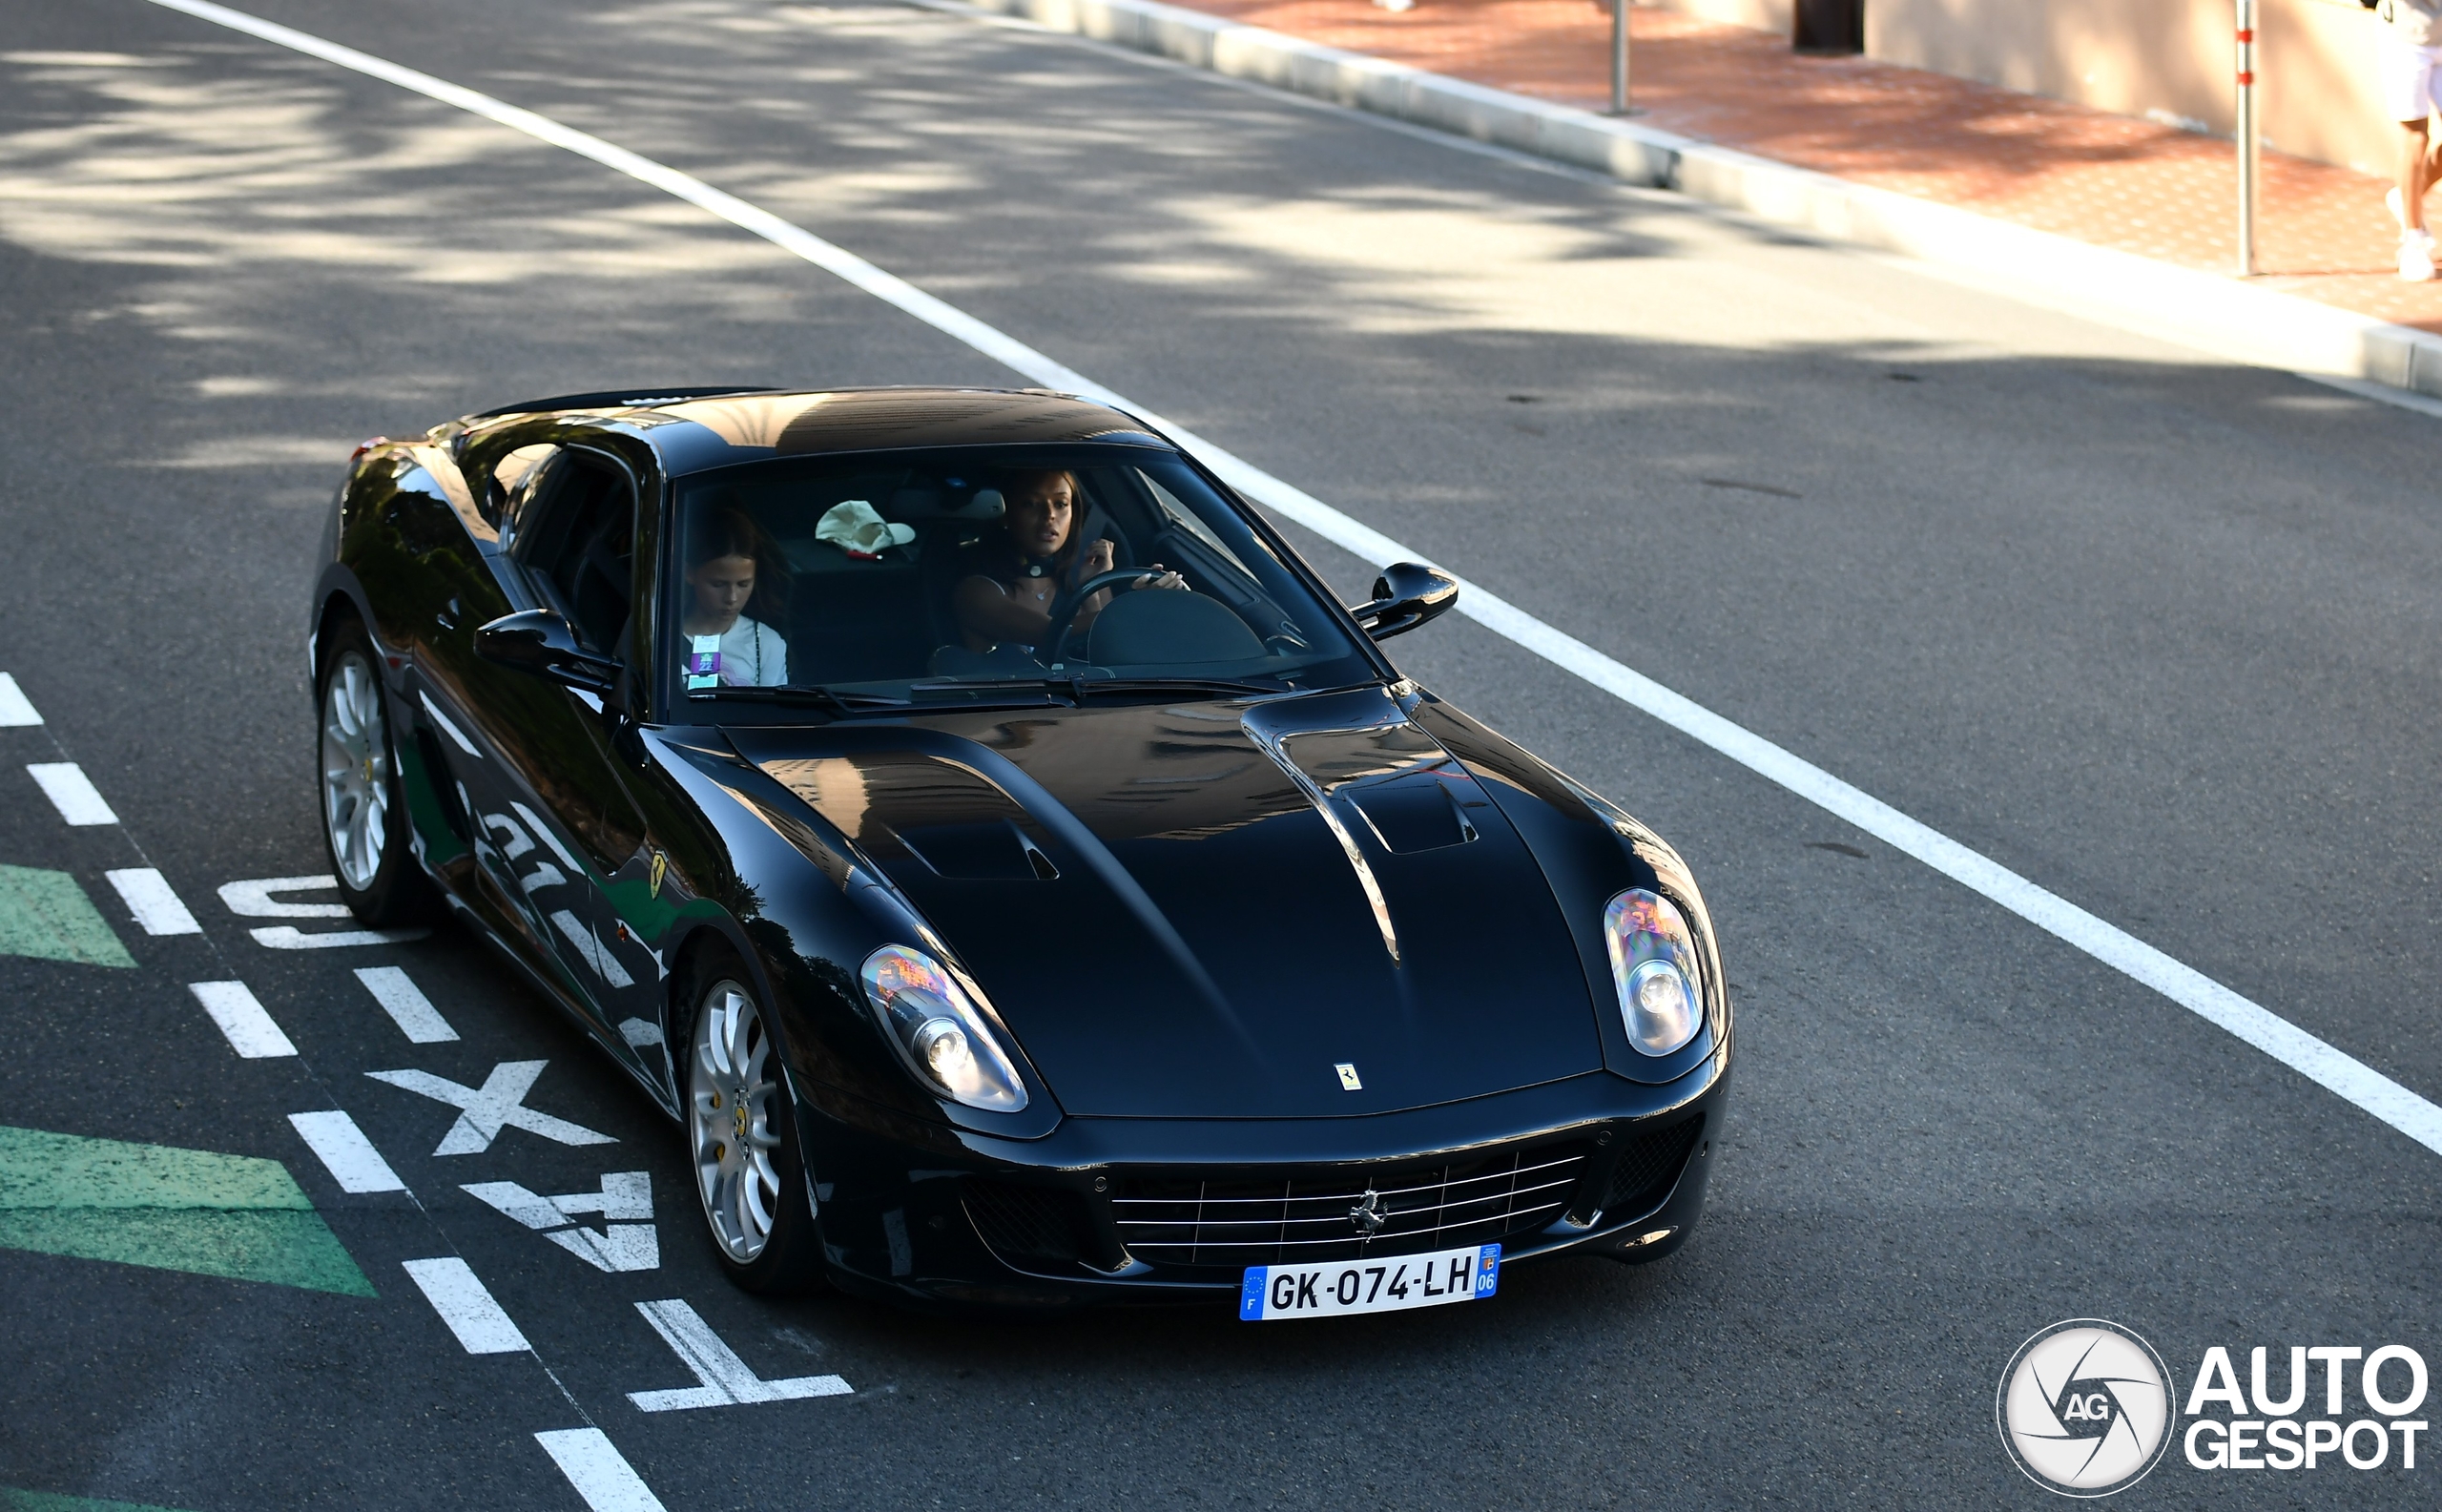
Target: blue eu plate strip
1251	1299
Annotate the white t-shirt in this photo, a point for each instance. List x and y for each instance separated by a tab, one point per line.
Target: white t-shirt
751	655
2419	23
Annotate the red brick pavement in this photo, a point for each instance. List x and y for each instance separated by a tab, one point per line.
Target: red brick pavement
2113	180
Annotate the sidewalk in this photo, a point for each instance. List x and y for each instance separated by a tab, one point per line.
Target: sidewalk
2108	180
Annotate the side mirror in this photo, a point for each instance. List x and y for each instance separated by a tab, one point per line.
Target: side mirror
1406	595
540	642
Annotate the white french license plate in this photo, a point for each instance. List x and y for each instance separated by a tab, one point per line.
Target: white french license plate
1388	1284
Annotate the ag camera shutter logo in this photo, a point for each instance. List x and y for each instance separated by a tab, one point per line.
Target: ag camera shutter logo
2085	1408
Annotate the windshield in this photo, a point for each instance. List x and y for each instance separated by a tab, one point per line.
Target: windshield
974	575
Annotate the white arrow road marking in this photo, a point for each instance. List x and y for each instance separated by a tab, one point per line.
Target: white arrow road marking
243	1019
618	1245
15	708
2360	1084
254	899
71	793
151	904
590	946
288	937
406	1004
343	1147
600	1472
727	1379
480	1323
500	1103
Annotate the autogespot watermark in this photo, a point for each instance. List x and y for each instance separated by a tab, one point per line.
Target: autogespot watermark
2087	1408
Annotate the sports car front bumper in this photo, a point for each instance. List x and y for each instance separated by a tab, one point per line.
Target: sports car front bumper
1114	1209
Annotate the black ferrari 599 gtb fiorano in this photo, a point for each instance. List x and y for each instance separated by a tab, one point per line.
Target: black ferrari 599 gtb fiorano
1019	877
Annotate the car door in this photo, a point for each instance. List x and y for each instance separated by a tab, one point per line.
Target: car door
561	785
551	816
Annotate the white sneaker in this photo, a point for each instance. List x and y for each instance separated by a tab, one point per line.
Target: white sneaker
2417	257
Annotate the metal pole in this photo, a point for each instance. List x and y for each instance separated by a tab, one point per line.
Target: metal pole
1619	56
2250	163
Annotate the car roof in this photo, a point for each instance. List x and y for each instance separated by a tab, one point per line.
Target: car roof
696	430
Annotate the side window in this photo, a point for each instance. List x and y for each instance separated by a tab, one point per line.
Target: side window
517	480
578	546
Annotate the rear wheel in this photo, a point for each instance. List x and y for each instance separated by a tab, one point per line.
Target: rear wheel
364	829
742	1136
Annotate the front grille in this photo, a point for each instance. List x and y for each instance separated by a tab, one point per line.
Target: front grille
1040	1225
1288	1218
1649	1168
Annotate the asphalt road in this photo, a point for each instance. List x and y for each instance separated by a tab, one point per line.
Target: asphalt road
2156	631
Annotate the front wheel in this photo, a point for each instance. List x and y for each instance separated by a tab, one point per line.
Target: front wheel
742	1138
364	826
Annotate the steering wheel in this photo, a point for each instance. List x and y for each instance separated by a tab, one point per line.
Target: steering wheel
1063	609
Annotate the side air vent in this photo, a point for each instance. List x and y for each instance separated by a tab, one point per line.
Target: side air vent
1649	1168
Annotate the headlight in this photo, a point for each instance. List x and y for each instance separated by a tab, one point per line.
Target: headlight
1653	964
932	1019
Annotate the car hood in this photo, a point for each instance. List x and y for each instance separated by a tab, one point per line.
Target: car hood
1209	909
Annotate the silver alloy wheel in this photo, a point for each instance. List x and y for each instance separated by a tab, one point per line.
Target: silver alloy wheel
734	1094
355	771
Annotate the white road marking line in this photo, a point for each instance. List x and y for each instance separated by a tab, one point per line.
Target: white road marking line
244	1021
15	708
288	937
639	1032
345	1153
599	1472
254	899
71	793
152	903
2370	1090
456	737
617	1246
466	1306
406	1004
484	1111
727	1381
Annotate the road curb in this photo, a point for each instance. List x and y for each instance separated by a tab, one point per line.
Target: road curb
2239	322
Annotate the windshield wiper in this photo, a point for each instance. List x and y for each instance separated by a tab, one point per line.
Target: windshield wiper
1080	686
831	699
1220	685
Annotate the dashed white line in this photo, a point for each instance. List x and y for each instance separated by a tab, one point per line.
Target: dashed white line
244	1021
599	1472
406	1004
152	903
15	708
71	793
453	1288
345	1153
2331	1068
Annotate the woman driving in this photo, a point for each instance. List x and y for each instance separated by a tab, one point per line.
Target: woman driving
724	647
1039	558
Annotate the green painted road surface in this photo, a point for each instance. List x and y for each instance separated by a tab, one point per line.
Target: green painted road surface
174	1210
47	916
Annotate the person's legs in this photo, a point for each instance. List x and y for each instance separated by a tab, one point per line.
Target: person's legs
2416	174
